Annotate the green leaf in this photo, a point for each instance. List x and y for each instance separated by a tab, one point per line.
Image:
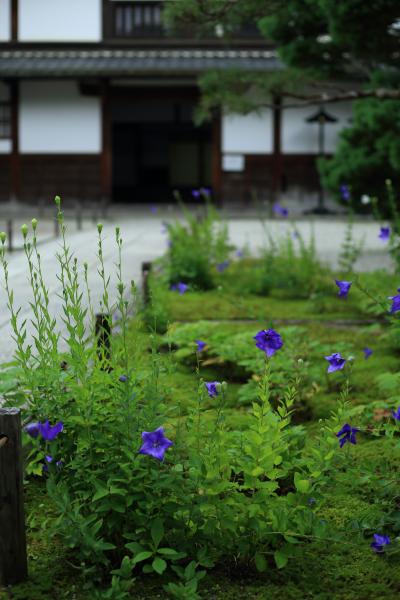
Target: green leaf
280	559
302	485
167	551
101	493
157	532
159	565
141	556
261	563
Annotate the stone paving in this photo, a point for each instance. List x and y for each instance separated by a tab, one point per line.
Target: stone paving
144	239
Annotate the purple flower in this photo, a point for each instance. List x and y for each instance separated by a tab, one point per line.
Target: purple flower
153	209
336	362
396	414
48	432
205	191
280	210
380	542
32	429
179	287
239	253
269	341
222	266
344	287
384	234
345	192
212	388
347	434
196	194
122	378
367	352
395	303
49	459
155	443
200	345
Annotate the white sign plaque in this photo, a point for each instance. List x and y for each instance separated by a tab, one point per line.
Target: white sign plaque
233	162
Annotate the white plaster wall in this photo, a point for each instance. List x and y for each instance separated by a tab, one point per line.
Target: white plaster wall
299	137
54	117
248	134
60	20
5	146
5	20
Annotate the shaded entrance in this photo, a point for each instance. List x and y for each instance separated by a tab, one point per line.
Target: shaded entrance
157	149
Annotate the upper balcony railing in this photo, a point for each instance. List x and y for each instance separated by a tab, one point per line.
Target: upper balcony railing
135	19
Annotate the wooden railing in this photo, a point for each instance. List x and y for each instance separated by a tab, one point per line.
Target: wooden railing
136	19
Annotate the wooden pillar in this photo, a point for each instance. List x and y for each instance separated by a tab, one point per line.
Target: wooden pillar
15	166
277	150
14	20
106	150
13	559
216	158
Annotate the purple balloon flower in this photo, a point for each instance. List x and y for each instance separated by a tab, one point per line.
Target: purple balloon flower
395	303
205	191
153	209
179	287
347	434
49	459
344	287
32	429
122	378
367	352
239	253
379	542
384	234
345	192
200	345
222	266
196	194
280	210
48	432
396	414
212	388
269	341
336	362
155	443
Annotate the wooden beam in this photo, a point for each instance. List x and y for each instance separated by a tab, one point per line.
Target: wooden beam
106	149
277	149
216	158
13	559
14	20
15	171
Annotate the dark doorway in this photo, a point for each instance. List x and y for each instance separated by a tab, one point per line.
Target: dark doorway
157	149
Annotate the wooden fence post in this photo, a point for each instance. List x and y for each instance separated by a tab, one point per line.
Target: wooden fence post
10	235
13	558
146	268
103	334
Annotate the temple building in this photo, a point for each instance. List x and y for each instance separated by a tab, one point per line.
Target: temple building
97	100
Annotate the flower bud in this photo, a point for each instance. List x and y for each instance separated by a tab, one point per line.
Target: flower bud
34	224
99	227
3	237
57	200
24	229
224	385
121	288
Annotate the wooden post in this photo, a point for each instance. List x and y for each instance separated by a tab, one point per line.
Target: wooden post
106	147
13	558
146	268
103	334
277	149
10	235
15	165
216	159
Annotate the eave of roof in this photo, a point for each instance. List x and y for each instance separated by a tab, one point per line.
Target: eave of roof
22	63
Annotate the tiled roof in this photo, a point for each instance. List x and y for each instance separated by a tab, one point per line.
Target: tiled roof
129	62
